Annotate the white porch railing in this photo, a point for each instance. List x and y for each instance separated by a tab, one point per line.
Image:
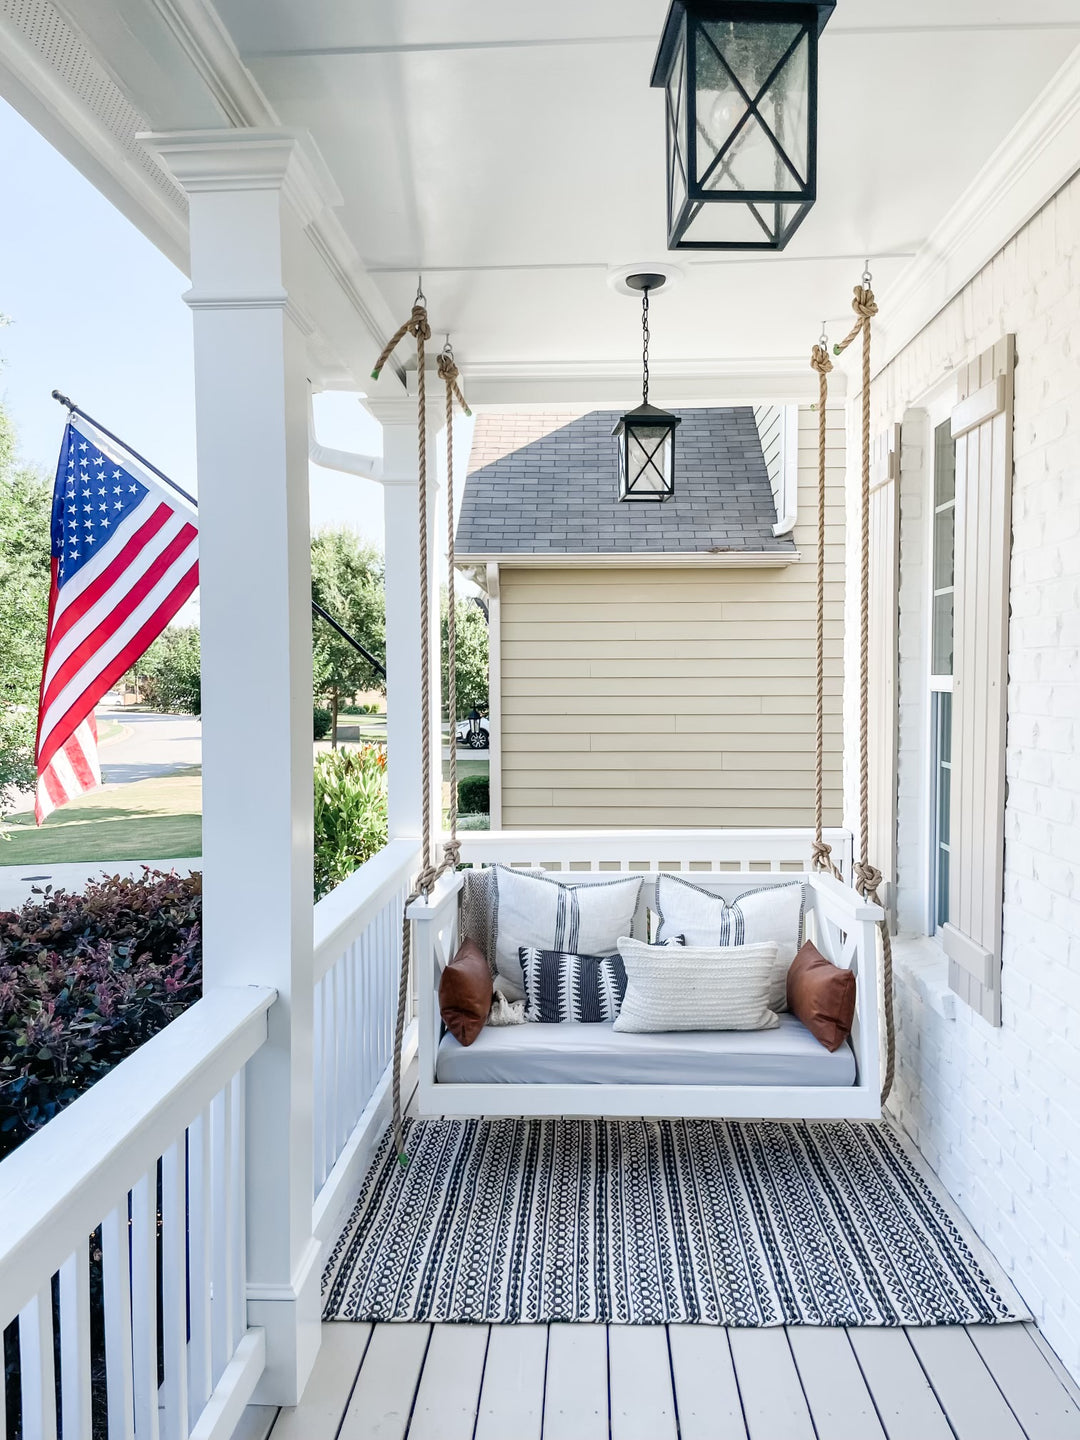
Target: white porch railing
746	851
124	1216
357	963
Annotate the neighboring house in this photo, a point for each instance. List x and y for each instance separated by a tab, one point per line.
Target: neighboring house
653	663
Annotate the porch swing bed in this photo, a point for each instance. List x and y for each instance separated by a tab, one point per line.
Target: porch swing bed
592	1069
777	1071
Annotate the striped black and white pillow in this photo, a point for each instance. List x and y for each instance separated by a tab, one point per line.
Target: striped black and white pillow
566	989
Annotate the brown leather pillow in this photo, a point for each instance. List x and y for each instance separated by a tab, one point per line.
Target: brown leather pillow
822	996
465	993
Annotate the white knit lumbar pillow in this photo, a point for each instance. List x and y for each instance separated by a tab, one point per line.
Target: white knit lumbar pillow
692	988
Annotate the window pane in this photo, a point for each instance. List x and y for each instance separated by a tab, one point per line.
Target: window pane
942	905
942	657
944	464
944	536
944	703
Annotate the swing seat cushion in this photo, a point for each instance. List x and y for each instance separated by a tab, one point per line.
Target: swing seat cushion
601	1055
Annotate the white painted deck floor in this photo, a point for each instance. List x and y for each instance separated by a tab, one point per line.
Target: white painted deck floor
681	1382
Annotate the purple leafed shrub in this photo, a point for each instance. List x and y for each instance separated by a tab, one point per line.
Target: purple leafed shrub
85	979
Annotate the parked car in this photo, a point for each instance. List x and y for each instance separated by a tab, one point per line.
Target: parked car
478	738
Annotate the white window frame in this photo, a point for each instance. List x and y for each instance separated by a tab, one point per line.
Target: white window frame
938	413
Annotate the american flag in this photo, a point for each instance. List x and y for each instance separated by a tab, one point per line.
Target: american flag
124	560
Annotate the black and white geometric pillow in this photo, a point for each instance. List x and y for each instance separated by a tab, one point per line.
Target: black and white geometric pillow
566	989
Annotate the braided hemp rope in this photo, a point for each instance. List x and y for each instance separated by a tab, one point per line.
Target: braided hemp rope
821	849
418	326
867	877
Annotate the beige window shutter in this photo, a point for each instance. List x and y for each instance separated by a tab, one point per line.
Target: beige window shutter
884	654
982	427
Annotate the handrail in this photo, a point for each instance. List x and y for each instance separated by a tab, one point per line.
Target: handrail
351	906
591	846
56	1187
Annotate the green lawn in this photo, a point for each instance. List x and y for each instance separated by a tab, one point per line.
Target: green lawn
146	820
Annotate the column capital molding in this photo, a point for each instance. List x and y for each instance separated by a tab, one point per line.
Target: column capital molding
208	161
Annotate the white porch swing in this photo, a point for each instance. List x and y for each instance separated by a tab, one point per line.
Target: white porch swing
842	919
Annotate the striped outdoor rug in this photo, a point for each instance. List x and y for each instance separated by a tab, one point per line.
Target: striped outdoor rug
647	1222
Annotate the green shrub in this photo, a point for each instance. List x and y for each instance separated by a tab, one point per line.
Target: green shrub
322	720
350	812
473	795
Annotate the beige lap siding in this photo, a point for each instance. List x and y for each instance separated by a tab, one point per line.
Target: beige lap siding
674	696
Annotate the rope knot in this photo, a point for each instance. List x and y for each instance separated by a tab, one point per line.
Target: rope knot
451	854
418	323
819	360
425	881
863	303
447	369
867	879
821	857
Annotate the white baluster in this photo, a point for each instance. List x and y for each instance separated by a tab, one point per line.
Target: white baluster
75	1396
237	1231
174	1285
144	1326
220	1202
116	1284
36	1363
199	1274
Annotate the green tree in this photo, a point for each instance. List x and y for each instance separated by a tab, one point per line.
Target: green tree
471	646
169	673
347	581
25	519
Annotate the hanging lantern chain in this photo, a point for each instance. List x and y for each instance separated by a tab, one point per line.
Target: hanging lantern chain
645	346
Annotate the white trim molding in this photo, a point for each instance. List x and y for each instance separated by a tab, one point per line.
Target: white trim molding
491	583
666	559
1038	157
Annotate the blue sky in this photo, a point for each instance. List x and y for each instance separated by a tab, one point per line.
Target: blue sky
96	313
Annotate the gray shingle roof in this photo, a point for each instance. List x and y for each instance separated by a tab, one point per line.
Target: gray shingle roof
557	492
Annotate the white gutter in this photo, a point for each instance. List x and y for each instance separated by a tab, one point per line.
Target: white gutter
367	467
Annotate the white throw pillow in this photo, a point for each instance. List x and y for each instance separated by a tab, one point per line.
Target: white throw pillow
773	913
699	988
544	914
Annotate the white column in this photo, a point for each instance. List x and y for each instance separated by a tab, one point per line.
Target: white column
400	480
249	194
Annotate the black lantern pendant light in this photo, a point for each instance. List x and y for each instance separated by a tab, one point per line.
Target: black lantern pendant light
646	435
741	78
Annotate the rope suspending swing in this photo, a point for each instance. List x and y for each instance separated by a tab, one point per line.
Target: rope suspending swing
418	326
867	877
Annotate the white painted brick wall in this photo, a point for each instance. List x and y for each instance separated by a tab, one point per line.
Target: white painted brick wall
997	1111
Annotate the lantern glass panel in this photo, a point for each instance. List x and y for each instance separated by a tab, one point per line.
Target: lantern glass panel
648	459
676	126
752	106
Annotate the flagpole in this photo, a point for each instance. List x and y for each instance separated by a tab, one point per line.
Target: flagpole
73	409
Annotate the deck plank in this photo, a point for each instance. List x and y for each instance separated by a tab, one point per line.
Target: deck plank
383	1397
908	1407
642	1399
1035	1394
449	1394
706	1392
772	1396
840	1403
512	1398
319	1414
576	1390
962	1383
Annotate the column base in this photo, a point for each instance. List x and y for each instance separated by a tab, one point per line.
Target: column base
291	1316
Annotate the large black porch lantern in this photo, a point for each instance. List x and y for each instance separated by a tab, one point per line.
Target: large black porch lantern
646	435
741	79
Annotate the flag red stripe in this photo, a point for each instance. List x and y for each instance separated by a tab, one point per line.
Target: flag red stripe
120	663
53	591
115	568
80	765
124	607
56	791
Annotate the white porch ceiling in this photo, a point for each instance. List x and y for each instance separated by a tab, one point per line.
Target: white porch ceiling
514	153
